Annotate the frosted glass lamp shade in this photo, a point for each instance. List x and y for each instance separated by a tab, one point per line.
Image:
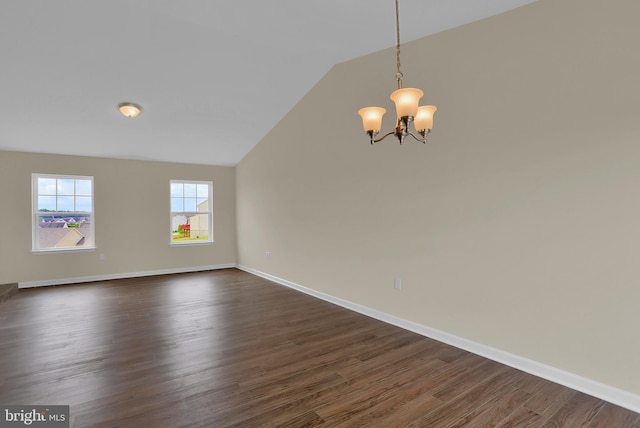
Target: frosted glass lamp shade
129	110
424	118
372	118
406	100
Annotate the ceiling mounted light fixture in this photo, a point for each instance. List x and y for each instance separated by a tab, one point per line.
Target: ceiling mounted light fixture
129	110
407	109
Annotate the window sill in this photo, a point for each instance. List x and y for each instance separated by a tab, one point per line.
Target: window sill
64	251
190	243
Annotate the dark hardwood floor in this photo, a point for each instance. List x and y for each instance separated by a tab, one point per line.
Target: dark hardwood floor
229	349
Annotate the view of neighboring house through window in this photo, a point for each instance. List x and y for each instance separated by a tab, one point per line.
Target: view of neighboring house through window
191	212
62	212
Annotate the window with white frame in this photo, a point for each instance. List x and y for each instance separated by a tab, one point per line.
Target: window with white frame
191	212
62	218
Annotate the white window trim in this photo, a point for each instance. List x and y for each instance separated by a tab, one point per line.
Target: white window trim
210	241
35	215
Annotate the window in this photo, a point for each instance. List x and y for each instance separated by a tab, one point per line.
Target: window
62	212
191	212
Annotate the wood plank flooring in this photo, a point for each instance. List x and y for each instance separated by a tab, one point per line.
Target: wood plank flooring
229	349
7	291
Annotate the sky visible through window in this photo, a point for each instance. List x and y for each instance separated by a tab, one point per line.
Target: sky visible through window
186	197
64	195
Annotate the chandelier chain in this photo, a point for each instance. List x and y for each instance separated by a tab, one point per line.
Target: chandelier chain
399	73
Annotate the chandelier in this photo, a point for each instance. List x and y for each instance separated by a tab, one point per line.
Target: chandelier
407	109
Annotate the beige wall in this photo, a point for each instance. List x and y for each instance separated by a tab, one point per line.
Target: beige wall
516	226
126	191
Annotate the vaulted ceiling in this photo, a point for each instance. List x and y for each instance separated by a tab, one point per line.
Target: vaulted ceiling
213	77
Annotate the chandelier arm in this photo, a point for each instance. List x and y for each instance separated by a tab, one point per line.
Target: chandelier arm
420	140
424	135
382	138
415	138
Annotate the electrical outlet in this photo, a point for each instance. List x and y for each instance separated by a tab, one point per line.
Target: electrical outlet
267	255
102	256
397	283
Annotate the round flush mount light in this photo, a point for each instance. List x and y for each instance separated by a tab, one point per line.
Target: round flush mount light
129	110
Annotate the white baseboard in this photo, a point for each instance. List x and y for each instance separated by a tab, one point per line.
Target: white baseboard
596	389
29	284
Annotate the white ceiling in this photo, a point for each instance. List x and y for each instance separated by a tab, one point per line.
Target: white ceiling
213	77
